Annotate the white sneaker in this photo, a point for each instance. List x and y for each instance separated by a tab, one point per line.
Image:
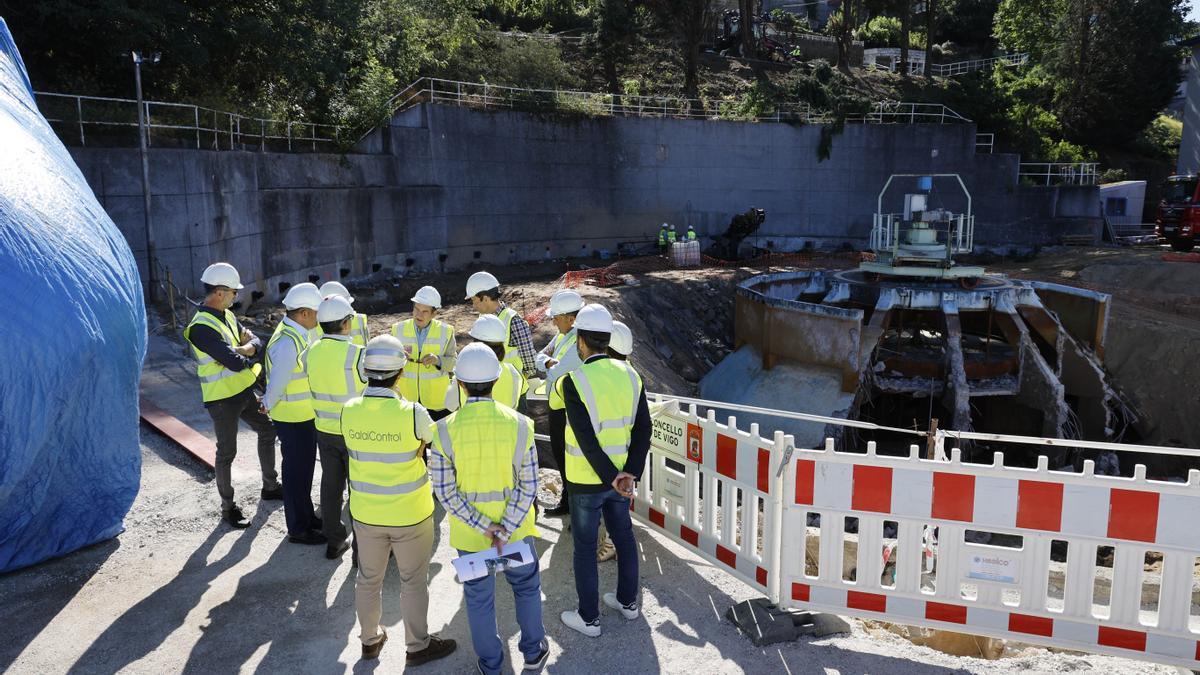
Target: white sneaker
576	622
630	611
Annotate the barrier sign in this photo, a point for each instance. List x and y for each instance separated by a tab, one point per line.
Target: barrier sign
988	563
678	437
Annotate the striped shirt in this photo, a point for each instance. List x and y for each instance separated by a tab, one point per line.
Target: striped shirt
445	488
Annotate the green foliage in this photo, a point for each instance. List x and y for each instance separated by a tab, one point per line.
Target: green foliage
1112	176
880	31
1029	26
1161	138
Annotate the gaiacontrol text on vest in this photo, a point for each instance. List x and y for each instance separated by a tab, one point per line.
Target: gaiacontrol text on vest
376	436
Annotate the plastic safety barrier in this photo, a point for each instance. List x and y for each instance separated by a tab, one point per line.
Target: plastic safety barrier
900	538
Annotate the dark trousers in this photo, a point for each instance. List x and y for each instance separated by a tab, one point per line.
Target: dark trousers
334	469
557	420
225	415
298	442
586	510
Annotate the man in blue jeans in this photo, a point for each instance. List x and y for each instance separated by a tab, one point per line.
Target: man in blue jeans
607	439
484	467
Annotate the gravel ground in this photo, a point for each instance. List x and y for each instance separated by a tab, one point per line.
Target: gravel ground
180	592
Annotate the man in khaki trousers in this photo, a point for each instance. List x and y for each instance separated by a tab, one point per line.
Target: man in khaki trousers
391	502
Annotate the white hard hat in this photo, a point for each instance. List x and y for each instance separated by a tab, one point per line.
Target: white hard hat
334	308
481	281
488	328
384	356
664	226
222	274
672	226
622	338
303	296
477	363
565	302
689	227
335	288
595	318
428	295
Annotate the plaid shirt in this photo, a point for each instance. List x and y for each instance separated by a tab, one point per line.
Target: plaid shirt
522	338
445	488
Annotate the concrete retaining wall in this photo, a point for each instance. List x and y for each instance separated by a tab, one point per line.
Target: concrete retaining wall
443	187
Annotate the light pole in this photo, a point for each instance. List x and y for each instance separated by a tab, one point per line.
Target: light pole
143	140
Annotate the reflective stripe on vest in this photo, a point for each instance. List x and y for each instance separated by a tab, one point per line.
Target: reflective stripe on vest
334	379
296	403
562	344
216	381
610	391
511	354
507	390
420	383
389	485
486	442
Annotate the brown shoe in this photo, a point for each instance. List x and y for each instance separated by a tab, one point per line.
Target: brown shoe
438	648
372	651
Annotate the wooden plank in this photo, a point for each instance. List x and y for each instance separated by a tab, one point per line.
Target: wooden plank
195	443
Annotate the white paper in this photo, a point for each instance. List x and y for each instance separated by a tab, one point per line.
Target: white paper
475	565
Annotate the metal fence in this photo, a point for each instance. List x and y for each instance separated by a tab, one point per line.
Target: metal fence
1059	173
103	121
985	143
490	96
964	67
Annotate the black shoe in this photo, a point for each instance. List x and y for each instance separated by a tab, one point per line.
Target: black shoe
334	552
274	494
540	661
310	537
235	518
372	651
316	524
563	508
438	648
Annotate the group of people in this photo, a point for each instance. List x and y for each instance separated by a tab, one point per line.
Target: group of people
404	419
667	236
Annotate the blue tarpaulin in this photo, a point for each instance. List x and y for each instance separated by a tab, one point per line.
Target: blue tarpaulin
72	339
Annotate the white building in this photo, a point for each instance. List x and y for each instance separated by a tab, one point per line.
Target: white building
1189	147
1123	202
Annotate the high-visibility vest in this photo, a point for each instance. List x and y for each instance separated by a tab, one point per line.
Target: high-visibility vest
486	443
389	484
691	235
511	354
670	236
420	383
334	378
217	381
662	237
508	388
610	391
296	403
359	333
562	344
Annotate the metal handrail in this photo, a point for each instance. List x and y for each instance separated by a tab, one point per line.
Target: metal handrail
1058	173
203	122
490	96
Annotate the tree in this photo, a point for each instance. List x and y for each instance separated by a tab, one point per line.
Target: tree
746	27
613	32
1110	63
930	24
686	20
905	27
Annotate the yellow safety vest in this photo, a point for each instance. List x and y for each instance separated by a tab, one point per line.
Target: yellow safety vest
296	403
562	344
511	354
359	333
389	484
486	443
216	381
662	237
610	391
691	235
420	383
334	378
671	236
507	390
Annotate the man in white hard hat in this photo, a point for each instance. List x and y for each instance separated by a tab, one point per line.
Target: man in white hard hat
359	333
288	401
484	467
662	239
558	358
488	330
483	290
671	236
619	348
391	503
334	367
431	350
608	438
691	234
224	351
